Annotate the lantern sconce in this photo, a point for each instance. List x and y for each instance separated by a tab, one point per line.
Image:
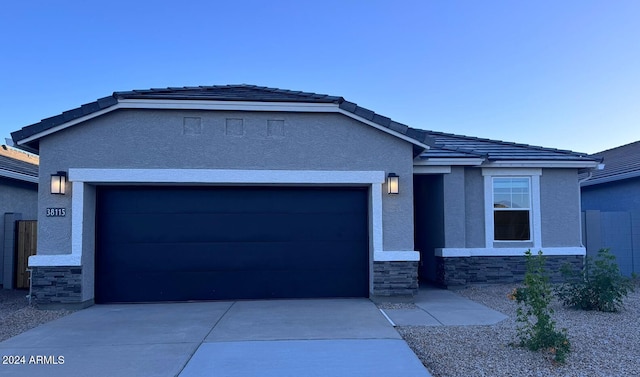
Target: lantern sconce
393	183
59	183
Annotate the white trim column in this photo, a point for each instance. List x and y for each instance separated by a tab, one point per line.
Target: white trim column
77	209
376	217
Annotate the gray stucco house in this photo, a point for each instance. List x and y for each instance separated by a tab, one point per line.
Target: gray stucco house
611	201
239	191
18	201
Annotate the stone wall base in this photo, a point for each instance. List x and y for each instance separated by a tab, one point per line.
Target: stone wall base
460	271
57	287
394	280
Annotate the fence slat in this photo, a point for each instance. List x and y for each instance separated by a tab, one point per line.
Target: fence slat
26	246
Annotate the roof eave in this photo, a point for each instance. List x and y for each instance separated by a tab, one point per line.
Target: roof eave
18	176
31	142
612	178
421	146
569	164
449	161
482	162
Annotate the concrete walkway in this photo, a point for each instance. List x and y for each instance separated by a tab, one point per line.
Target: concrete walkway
336	337
440	307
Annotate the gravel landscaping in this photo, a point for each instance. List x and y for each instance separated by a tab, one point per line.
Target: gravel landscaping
603	344
17	316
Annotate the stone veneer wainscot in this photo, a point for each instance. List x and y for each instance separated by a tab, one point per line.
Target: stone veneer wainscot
57	287
499	269
395	279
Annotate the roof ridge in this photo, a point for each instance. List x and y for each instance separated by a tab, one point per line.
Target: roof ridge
229	86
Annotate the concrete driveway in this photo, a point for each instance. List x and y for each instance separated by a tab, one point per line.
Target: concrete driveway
335	337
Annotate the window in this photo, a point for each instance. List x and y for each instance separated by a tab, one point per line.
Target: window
512	209
512	213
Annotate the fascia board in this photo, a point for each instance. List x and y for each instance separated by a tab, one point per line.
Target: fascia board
449	162
68	124
542	164
613	178
226	105
18	176
383	129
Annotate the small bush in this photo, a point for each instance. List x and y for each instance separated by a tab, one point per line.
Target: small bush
600	286
536	329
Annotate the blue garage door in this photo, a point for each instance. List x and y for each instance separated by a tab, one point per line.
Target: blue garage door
220	243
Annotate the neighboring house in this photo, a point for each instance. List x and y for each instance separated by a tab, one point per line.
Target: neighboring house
611	201
18	201
239	191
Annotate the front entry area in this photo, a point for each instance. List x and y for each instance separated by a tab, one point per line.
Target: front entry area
164	243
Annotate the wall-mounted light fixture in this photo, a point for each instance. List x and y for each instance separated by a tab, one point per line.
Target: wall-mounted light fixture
59	183
393	183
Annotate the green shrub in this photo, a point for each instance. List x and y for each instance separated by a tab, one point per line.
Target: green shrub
600	286
536	329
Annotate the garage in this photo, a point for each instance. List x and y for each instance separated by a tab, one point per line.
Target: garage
162	243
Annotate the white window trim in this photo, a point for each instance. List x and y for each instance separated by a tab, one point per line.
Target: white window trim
451	252
536	221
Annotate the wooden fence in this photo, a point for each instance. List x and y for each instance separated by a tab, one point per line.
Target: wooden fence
26	241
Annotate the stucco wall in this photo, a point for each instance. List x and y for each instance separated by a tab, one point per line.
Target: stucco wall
560	208
464	209
474	207
172	139
454	208
15	197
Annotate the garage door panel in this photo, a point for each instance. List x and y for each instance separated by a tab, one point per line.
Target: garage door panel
229	285
188	228
254	256
175	244
140	199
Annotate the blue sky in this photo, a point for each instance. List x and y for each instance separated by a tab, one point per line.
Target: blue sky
563	74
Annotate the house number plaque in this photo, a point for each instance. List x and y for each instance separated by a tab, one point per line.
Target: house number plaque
56	212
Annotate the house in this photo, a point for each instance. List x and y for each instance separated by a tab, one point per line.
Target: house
18	201
240	191
611	201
